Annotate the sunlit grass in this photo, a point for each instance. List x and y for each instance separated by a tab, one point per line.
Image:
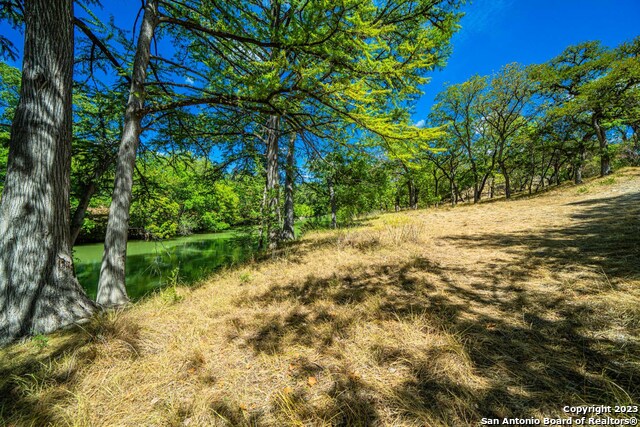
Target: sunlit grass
431	317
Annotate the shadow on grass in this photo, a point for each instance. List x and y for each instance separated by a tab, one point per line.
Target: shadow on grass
604	236
531	349
22	378
39	376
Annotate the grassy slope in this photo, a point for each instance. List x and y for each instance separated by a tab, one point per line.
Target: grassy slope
435	317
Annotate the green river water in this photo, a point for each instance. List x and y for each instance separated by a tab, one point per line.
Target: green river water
151	265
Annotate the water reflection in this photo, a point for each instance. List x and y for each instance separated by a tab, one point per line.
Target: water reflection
154	264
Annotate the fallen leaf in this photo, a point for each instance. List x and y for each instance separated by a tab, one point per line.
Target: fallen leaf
353	376
288	390
312	381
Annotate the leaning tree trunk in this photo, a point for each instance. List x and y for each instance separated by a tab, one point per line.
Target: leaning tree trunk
288	232
111	287
77	219
273	182
38	290
88	190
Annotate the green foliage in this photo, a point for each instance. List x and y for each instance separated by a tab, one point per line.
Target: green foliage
9	88
158	216
170	294
607	181
303	210
40	341
183	196
583	190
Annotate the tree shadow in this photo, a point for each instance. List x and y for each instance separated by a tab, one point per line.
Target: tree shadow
522	344
38	376
22	377
604	238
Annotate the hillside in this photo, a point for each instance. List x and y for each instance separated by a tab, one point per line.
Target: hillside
429	317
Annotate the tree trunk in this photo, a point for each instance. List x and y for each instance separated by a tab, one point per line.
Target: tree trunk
111	287
262	227
507	183
411	192
580	162
88	190
453	193
605	158
38	290
476	192
436	182
334	210
578	175
288	232
273	182
78	215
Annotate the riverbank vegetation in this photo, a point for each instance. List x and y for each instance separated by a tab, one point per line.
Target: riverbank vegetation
431	317
424	305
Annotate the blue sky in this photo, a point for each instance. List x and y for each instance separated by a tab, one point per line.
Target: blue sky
497	32
494	33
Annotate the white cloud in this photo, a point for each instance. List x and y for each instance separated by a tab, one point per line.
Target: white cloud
189	80
420	123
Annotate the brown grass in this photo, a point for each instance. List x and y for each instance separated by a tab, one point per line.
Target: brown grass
437	318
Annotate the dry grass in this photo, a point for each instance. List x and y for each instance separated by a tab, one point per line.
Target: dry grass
434	318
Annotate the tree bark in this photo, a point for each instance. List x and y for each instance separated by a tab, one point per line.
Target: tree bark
334	209
111	287
89	189
578	168
78	215
411	192
453	193
436	181
507	185
288	232
262	227
582	155
605	158
273	182
38	290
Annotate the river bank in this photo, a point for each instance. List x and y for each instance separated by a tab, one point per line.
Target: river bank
440	317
